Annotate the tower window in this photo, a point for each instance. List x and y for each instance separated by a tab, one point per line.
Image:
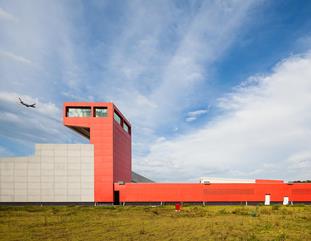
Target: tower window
78	112
117	118
126	127
101	112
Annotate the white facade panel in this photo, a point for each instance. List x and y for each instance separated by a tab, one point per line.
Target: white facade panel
34	176
87	198
34	198
8	191
34	191
20	198
57	173
61	159
7	198
61	198
61	180
74	198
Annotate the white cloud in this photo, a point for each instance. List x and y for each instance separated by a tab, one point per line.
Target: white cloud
44	41
150	69
163	54
27	126
7	16
192	118
17	58
4	152
193	115
160	59
47	109
264	132
209	34
197	112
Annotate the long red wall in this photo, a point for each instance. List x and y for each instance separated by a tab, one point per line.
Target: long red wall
185	192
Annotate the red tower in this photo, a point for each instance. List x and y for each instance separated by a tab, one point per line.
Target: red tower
105	126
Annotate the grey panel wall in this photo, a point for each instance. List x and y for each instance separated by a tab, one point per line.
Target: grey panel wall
56	173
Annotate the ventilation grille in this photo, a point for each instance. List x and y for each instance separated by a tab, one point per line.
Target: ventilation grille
301	191
228	191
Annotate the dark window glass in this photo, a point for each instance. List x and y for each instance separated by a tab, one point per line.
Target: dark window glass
101	112
78	111
117	118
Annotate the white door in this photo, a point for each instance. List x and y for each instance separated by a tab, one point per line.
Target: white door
285	201
267	199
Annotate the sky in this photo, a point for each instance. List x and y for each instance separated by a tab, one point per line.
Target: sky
211	88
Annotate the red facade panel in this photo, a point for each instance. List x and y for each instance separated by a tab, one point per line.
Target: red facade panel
268	181
122	154
183	192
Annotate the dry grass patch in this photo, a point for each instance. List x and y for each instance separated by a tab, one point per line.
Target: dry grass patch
156	223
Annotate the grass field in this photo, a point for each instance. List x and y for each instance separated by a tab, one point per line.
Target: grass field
155	223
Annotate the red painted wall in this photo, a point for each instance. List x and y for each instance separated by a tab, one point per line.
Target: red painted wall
112	160
122	151
185	192
268	181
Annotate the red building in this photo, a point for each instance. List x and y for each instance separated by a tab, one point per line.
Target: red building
110	133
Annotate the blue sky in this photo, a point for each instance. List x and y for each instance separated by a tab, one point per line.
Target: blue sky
212	88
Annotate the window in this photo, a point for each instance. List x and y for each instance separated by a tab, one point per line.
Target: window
117	118
126	127
79	112
101	112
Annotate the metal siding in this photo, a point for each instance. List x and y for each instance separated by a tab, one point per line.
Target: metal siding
185	192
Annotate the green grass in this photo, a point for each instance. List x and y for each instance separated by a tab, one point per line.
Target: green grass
155	223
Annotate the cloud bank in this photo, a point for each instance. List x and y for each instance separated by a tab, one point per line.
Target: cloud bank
264	131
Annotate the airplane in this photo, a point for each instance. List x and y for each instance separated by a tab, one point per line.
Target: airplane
27	105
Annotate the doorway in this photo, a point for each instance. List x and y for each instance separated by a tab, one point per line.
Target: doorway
116	198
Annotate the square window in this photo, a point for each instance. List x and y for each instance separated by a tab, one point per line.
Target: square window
117	118
126	127
101	112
